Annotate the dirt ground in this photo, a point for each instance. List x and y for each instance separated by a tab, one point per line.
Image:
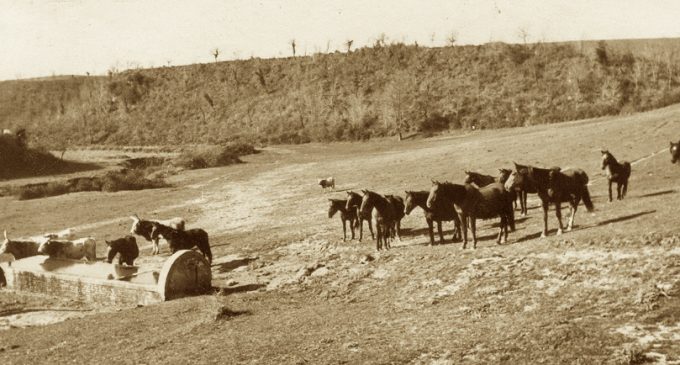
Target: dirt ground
606	292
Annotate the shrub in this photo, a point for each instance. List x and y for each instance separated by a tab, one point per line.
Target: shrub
214	156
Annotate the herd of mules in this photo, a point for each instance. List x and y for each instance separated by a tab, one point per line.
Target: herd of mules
482	197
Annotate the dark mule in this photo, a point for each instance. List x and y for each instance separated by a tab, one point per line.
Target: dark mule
354	202
183	240
340	205
488	202
483	180
618	173
439	214
398	205
554	186
125	247
384	213
675	152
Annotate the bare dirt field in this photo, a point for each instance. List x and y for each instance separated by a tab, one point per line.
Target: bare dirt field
607	292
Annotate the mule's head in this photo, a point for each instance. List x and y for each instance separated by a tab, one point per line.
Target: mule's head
504	174
409	203
469	177
333	206
135	224
434	194
516	179
367	202
111	250
49	247
353	200
606	158
675	152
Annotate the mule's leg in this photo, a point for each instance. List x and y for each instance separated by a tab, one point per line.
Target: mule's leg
572	213
619	191
558	214
431	229
370	228
344	230
473	229
500	232
352	224
625	189
441	234
545	205
378	232
361	228
610	191
464	227
398	226
523	202
155	250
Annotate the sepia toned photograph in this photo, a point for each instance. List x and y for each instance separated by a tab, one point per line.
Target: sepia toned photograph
430	182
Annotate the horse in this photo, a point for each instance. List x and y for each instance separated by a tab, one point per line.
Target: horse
483	180
488	202
345	215
183	240
354	202
675	152
384	213
143	228
437	214
554	186
616	172
126	247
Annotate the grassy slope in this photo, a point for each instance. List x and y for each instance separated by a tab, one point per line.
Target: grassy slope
345	96
561	300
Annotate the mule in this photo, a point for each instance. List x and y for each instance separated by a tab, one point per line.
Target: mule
183	240
554	186
384	213
143	228
483	180
675	152
616	172
439	214
340	205
126	248
73	250
488	202
354	202
19	249
328	182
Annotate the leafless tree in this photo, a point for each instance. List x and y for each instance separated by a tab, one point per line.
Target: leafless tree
348	44
523	34
292	45
452	38
216	53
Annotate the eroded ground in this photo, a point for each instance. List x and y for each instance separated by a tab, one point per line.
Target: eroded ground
604	293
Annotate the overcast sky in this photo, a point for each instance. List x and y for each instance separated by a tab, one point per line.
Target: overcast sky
45	37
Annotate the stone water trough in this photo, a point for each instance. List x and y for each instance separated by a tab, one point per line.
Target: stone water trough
184	273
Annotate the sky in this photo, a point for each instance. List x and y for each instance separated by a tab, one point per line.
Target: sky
56	37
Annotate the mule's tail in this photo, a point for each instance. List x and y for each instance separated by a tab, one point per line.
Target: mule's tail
627	169
586	199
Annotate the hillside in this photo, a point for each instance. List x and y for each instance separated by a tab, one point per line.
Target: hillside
373	91
605	293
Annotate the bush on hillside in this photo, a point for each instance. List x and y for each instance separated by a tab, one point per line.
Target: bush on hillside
214	156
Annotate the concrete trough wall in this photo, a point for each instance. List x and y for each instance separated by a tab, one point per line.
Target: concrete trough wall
185	273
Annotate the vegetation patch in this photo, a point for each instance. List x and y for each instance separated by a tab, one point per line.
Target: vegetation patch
214	156
112	181
18	160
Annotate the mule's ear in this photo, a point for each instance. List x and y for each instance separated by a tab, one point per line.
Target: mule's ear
467	172
5	233
135	218
603	151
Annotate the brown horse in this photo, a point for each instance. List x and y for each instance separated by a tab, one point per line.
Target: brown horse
384	213
488	202
339	205
616	172
439	214
554	186
354	202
